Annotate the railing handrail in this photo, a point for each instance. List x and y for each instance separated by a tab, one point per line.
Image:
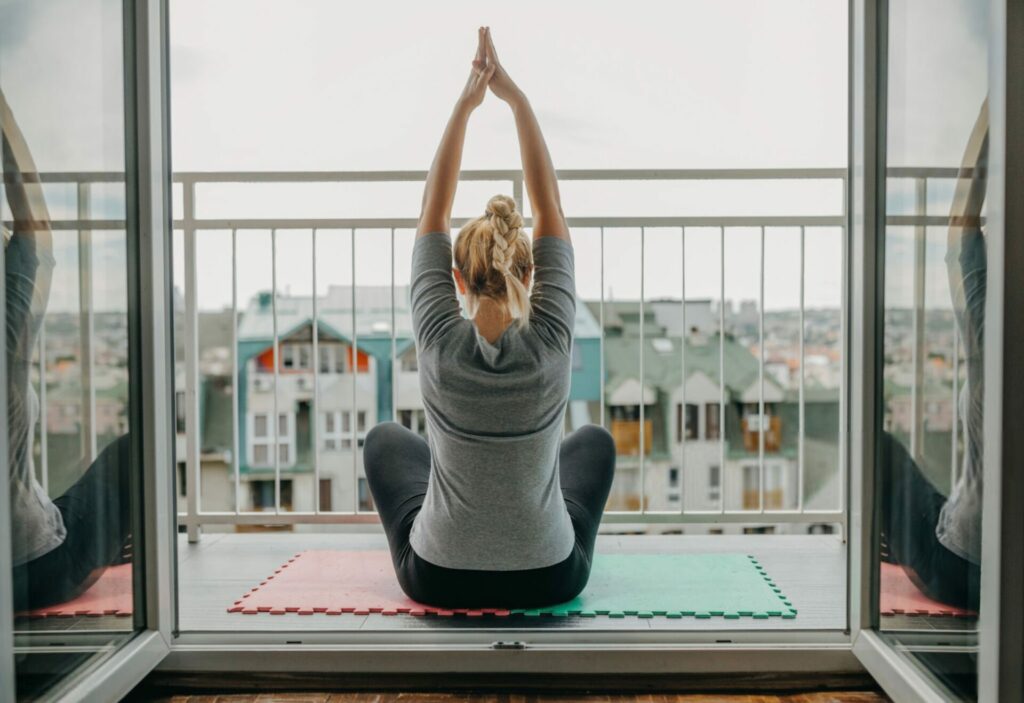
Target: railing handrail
634	174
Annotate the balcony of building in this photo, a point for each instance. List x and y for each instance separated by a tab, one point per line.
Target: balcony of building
738	404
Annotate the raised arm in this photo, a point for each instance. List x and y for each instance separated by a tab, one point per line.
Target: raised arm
538	171
439	192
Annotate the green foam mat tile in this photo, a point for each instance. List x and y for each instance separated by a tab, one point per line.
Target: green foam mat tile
676	585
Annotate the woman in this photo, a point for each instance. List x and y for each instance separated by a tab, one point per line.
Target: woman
60	547
497	510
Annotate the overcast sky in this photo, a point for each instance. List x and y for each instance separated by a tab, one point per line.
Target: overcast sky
320	85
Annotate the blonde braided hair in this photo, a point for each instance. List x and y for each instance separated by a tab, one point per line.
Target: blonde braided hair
493	254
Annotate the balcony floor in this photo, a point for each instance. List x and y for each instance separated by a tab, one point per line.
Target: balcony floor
214	572
218	569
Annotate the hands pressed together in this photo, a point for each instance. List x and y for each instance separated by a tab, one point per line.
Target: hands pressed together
488	72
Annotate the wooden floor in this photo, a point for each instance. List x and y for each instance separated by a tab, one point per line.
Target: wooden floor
217	570
434	697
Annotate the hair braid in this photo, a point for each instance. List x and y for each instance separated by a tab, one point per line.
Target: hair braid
494	255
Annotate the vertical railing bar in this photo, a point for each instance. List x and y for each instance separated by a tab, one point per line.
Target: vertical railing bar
315	354
191	325
760	372
917	350
643	386
87	323
601	338
354	417
801	406
682	361
844	376
277	372
235	459
954	465
394	337
44	459
722	473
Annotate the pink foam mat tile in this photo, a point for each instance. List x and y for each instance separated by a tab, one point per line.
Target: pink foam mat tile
339	582
110	595
899	596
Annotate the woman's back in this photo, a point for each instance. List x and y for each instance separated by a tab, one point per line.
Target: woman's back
494	418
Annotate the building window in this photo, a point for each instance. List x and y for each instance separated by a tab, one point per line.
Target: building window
336	429
332	358
415	420
325	495
295	356
261	441
261	493
714	483
365	497
626	413
330	431
712	421
691	421
673	477
751	487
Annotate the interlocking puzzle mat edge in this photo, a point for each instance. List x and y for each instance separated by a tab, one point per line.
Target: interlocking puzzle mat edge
786	610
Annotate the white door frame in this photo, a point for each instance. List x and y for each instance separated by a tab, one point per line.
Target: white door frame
1001	624
148	218
1000	670
147	109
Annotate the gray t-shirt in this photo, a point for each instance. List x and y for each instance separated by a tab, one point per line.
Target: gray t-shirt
494	418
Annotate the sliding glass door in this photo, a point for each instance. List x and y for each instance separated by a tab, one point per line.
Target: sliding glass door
74	418
935	340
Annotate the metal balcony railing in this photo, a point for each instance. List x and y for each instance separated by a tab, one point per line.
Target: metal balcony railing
190	224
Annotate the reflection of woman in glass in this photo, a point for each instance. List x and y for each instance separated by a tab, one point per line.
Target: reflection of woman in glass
60	547
937	540
497	510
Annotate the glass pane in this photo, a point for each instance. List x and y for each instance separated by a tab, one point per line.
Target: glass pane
935	276
67	337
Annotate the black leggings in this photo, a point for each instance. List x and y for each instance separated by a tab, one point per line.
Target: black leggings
397	464
910	512
97	518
